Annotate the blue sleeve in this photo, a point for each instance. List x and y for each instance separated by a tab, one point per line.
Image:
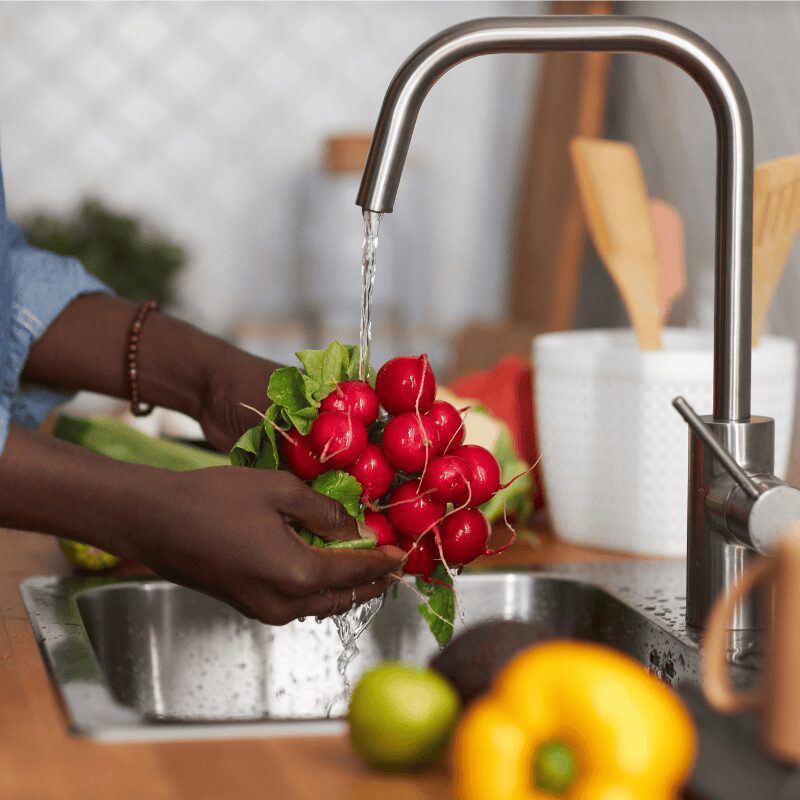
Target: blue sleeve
35	287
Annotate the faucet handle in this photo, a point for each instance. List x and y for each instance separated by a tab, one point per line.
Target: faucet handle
746	483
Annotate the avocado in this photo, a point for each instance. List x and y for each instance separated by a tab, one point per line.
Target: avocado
473	658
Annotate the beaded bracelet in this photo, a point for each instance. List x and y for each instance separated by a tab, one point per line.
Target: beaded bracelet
138	409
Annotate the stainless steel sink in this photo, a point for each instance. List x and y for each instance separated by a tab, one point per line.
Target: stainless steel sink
152	660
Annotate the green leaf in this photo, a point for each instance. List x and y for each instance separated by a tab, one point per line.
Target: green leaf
440	610
342	487
350	544
301	419
312	361
270	458
314	390
335	362
287	389
311	538
247	448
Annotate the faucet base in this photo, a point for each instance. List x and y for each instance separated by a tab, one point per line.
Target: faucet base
715	557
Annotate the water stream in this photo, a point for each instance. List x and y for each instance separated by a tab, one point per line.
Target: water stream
352	623
372	223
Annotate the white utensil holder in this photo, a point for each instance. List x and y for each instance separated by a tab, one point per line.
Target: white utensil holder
615	451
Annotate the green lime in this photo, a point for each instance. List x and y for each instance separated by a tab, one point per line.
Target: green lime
401	716
87	557
554	767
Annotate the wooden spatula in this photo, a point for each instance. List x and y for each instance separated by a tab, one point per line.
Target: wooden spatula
617	210
668	227
776	219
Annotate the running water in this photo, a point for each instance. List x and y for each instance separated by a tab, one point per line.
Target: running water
352	623
372	223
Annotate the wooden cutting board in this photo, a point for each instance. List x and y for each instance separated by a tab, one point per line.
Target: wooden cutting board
549	239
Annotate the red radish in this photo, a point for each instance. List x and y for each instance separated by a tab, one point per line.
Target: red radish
338	439
448	479
449	424
374	472
357	397
412	514
485	480
464	535
300	457
406	383
421	559
378	522
409	441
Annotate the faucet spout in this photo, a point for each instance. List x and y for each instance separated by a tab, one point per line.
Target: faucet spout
722	88
721	536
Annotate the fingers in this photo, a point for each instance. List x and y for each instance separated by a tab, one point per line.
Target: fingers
343	569
337	601
320	514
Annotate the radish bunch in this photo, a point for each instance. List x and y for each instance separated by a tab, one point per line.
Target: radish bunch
421	485
391	454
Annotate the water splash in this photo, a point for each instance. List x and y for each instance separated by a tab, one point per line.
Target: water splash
372	223
350	626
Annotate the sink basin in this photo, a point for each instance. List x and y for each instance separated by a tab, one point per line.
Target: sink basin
146	659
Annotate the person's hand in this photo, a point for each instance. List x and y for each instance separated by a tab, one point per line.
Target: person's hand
227	532
235	379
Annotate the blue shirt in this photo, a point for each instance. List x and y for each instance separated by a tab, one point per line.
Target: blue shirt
35	287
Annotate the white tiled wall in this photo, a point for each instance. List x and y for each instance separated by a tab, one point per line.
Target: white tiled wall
205	116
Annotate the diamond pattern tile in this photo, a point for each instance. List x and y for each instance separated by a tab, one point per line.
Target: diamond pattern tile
208	117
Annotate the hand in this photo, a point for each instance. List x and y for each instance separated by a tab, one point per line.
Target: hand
227	532
234	377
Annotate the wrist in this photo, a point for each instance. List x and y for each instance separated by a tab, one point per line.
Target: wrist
177	364
53	487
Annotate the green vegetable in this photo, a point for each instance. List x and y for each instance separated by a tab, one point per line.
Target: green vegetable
440	610
115	439
517	496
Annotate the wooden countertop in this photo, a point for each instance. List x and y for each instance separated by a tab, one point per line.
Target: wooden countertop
40	760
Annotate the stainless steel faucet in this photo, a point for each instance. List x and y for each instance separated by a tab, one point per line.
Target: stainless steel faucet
727	523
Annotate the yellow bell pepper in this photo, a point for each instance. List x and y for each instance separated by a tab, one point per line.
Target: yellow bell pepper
578	721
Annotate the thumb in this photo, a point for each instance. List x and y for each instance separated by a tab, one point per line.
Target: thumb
328	518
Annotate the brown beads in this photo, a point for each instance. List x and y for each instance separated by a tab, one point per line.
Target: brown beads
138	408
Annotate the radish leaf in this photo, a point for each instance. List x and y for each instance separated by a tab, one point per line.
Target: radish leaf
440	610
254	449
342	487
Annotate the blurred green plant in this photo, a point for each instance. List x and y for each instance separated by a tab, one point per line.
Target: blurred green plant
136	261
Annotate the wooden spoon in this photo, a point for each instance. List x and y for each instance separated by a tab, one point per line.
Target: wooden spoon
668	227
617	210
776	219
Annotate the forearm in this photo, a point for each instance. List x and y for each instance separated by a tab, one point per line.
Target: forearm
53	487
86	347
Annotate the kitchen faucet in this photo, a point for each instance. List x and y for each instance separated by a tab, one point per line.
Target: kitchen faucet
736	506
